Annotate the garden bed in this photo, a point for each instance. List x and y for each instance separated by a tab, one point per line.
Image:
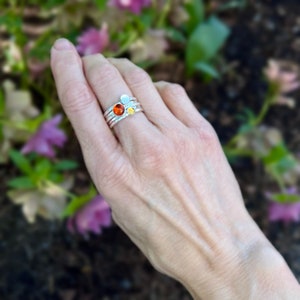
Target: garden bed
45	261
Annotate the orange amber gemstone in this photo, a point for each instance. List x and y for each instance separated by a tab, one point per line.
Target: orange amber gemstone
118	109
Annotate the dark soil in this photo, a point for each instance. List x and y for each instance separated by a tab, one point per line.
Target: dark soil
44	261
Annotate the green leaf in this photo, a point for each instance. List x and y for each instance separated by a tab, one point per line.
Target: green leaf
276	154
286	198
21	161
13	23
145	20
279	161
245	128
42	45
207	69
175	35
205	42
2	103
2	109
286	164
196	12
65	165
52	3
42	169
77	202
233	4
101	4
247	115
56	177
46	4
33	124
22	182
232	157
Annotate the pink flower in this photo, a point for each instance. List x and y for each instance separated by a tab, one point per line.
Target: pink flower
47	136
36	67
93	41
284	76
135	6
92	217
286	212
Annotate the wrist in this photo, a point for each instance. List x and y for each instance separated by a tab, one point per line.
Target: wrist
268	275
248	268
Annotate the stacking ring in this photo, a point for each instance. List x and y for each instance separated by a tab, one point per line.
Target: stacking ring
126	106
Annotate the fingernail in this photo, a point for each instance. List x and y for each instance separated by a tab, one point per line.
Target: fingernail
62	44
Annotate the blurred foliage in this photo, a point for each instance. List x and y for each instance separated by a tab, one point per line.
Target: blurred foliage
203	45
265	144
188	30
78	202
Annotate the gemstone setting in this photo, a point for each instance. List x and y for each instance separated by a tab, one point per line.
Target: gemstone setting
126	106
130	110
118	109
125	99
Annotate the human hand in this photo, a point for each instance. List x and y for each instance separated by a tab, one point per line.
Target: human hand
164	174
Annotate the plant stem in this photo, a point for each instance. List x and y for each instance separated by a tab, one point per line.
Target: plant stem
257	121
130	40
237	152
14	124
263	111
165	10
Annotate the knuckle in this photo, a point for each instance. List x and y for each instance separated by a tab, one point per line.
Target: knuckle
137	77
123	60
207	135
107	71
155	156
76	96
185	145
173	89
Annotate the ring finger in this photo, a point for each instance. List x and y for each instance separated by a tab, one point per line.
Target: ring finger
108	85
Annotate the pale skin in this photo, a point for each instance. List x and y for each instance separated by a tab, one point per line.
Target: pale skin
167	180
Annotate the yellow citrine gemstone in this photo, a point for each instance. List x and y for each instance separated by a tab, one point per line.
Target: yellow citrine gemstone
130	110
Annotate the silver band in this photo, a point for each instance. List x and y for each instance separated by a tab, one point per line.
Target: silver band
127	106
